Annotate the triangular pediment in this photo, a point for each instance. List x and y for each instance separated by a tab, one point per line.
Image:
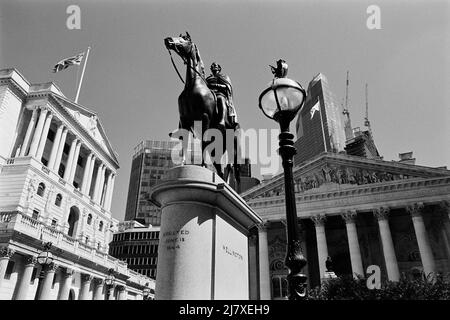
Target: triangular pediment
90	122
332	172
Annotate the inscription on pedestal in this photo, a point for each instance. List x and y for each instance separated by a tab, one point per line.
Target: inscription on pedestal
172	239
232	253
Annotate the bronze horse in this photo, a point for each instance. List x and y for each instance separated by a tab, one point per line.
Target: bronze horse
199	103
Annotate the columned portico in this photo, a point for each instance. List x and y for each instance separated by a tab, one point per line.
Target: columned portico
264	270
24	284
353	243
45	291
322	248
390	259
426	255
85	285
66	284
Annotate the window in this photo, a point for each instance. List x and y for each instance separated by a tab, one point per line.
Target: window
89	219
9	269
35	215
58	200
86	239
99	245
100	226
41	189
54	222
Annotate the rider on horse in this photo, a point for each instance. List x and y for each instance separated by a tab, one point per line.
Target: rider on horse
220	84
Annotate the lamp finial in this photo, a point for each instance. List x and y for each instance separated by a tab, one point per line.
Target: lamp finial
281	70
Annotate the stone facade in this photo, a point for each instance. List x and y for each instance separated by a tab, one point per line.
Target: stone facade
360	212
57	172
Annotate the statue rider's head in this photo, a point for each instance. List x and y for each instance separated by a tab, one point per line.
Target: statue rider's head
215	68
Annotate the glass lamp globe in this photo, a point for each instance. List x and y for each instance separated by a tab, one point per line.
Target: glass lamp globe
45	258
283	99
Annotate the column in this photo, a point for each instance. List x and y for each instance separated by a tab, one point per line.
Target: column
24	284
91	172
107	187
48	281
99	285
75	162
85	285
5	255
353	243
388	246
444	207
110	192
322	248
87	167
56	141
426	255
67	172
111	292
59	153
38	132
44	136
122	293
26	140
64	289
264	269
102	184
97	182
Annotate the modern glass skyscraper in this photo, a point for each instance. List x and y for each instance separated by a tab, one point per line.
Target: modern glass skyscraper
321	122
150	162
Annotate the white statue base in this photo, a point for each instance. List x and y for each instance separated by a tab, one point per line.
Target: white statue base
203	245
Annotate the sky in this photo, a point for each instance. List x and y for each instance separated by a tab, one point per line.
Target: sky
131	84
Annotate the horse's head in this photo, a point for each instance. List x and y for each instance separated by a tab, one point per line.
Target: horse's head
182	45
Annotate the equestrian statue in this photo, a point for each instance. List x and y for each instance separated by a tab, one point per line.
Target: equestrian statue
208	100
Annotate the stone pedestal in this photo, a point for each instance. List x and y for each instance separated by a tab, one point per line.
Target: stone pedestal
203	246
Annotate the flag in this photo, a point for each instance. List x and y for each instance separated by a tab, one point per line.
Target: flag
315	108
63	64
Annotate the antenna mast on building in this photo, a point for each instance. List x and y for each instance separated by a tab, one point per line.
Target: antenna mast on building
366	119
347	124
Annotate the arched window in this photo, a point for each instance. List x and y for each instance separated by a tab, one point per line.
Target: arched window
58	200
100	226
89	219
41	189
74	215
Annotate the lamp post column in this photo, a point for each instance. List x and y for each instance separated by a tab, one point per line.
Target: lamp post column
295	260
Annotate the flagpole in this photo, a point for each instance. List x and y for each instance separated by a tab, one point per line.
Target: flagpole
82	75
321	123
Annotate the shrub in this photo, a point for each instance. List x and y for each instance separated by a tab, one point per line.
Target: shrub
347	288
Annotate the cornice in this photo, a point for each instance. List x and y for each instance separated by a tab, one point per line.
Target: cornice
357	165
360	190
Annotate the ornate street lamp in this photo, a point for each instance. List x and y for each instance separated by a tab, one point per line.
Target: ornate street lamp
45	258
281	102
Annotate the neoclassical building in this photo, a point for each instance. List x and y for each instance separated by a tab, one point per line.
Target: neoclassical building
358	211
57	173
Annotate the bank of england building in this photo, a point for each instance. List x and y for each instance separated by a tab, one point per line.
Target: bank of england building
57	174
